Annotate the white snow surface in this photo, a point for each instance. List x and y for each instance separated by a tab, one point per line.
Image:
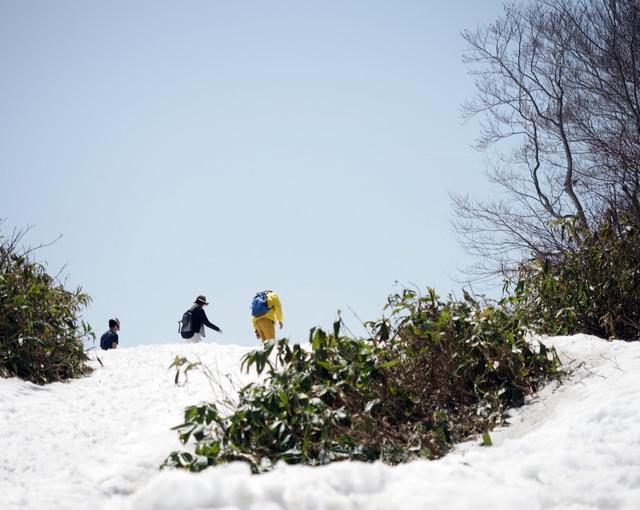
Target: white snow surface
97	443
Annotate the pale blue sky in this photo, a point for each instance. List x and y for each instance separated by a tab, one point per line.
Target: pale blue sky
224	147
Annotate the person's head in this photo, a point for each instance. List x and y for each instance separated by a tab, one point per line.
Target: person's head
114	324
201	301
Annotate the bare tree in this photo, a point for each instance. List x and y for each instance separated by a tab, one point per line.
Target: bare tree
606	55
557	87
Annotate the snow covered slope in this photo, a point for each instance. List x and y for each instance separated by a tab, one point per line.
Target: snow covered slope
72	445
97	442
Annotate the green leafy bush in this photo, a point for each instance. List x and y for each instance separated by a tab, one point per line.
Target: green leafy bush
41	336
432	374
594	289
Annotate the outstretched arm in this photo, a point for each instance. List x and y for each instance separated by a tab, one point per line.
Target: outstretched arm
210	324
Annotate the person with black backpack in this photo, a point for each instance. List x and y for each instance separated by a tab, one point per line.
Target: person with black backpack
191	327
266	310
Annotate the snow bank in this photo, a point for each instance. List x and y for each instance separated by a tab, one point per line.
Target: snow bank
97	442
70	445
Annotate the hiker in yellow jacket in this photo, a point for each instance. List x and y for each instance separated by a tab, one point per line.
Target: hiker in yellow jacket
266	310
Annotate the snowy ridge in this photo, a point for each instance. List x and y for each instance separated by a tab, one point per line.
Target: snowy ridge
97	443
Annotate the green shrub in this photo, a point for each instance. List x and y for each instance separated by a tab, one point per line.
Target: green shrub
41	336
594	289
432	374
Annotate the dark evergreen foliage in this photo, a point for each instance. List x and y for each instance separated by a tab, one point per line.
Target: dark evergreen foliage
594	289
41	335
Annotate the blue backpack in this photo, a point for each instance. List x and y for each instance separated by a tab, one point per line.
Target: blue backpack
260	304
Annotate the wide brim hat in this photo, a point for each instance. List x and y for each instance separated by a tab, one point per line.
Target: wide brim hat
201	300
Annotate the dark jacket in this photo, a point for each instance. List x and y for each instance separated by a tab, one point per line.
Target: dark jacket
198	318
107	339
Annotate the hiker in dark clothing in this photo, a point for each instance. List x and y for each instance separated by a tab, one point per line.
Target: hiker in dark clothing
109	340
199	320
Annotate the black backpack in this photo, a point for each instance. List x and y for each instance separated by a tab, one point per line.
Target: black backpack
185	326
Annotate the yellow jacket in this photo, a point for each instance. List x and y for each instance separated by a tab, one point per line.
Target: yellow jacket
275	309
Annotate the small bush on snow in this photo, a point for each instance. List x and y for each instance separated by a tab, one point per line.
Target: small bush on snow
593	289
430	375
41	336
